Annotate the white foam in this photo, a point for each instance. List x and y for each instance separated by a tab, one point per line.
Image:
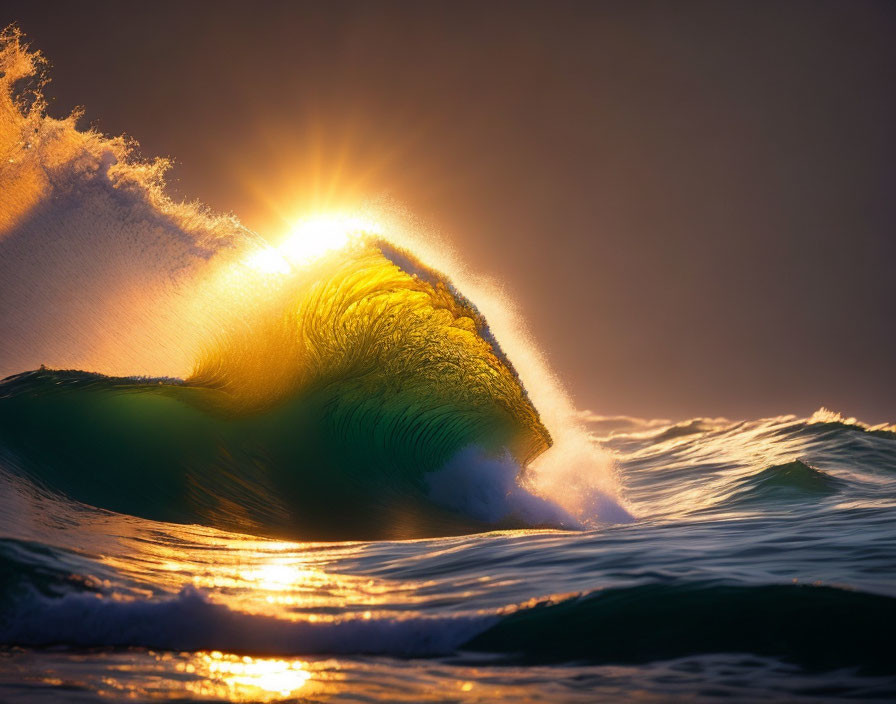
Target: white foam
487	488
493	489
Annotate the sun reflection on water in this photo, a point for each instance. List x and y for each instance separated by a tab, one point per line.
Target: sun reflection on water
289	581
244	678
219	676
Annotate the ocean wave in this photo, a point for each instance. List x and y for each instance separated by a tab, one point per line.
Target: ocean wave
190	621
790	480
813	626
816	627
699	469
824	415
221	383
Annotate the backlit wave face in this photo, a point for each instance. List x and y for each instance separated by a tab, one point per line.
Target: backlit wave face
361	329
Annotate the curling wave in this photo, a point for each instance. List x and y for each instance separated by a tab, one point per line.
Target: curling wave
225	385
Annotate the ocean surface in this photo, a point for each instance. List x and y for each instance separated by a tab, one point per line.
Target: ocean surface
760	564
332	465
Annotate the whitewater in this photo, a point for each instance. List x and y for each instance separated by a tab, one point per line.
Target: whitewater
337	468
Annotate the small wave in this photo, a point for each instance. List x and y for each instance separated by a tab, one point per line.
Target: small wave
790	480
824	415
813	626
691	427
189	621
607	426
658	430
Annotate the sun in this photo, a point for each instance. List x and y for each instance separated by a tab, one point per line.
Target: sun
314	236
309	239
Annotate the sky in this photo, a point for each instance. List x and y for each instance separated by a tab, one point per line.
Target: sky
692	203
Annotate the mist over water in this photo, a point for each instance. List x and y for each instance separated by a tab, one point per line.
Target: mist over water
337	467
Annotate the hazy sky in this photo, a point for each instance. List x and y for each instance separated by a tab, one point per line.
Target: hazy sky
693	202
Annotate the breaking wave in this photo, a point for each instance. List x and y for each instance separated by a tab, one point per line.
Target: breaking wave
220	382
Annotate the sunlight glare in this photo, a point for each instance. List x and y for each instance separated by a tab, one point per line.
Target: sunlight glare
276	577
246	678
309	239
313	237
